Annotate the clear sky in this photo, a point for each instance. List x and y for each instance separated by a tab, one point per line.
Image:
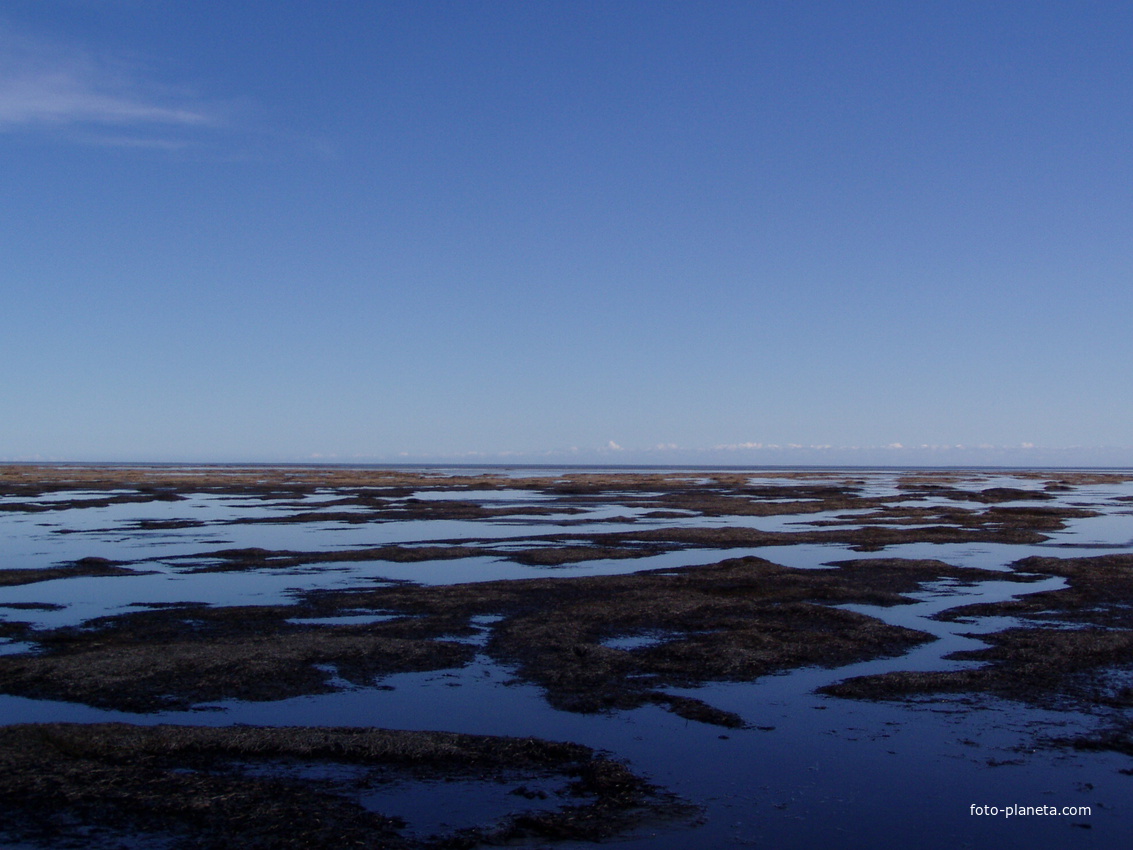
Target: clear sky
667	232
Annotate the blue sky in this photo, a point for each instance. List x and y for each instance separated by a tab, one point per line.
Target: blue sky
666	232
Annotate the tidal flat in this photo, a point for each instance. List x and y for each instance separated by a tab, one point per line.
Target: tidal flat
216	656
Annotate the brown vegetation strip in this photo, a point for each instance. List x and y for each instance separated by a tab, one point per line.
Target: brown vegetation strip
1099	593
736	620
868	539
171	658
228	560
1075	649
82	567
191	787
255	558
1017	525
1042	666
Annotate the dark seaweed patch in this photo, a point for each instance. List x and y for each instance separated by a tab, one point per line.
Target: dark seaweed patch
190	787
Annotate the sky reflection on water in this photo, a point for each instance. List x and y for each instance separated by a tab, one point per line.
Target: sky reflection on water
809	771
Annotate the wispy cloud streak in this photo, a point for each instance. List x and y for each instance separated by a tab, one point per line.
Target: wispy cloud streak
44	87
59	98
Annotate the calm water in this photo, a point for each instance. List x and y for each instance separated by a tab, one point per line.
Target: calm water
811	770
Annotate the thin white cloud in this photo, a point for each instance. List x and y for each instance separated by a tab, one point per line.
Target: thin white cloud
61	98
43	86
124	141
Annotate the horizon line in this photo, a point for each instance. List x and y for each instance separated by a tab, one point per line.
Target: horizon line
520	465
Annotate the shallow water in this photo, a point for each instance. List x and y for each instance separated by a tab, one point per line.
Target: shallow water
809	771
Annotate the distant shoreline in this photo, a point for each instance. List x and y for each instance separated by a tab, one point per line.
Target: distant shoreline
572	467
